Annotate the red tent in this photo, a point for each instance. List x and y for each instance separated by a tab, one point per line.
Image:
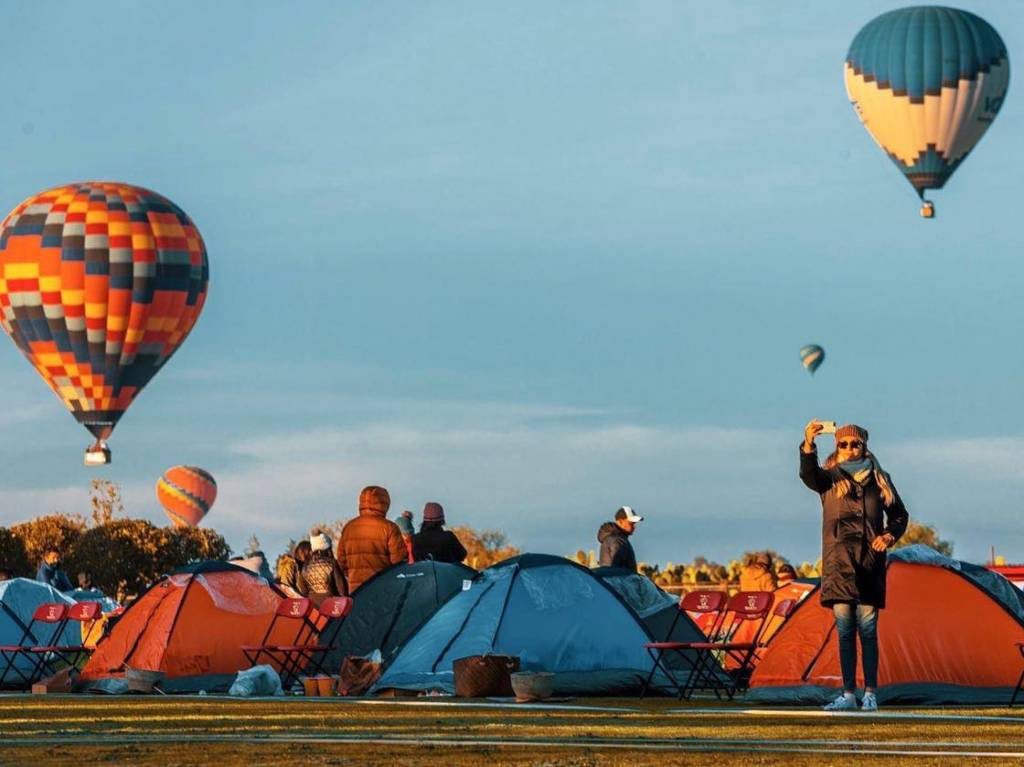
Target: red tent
946	635
192	625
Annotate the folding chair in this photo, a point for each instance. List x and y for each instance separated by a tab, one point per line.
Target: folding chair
71	655
332	613
707	668
293	656
16	658
780	613
701	603
1020	680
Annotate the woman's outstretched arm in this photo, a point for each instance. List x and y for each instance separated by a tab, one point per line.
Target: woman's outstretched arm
816	478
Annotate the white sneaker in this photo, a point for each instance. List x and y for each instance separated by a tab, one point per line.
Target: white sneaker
870	702
843	703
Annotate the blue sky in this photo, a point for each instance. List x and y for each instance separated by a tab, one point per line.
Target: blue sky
532	261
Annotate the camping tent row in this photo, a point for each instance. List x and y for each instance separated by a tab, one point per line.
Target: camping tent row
947	635
543	609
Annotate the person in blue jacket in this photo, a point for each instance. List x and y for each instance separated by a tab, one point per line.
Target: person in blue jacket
49	572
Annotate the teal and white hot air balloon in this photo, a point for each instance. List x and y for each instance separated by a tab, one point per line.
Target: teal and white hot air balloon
927	82
812	356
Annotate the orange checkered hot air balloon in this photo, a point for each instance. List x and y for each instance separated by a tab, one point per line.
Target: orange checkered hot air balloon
100	282
186	493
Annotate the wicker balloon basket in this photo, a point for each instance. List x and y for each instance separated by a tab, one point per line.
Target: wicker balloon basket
484	676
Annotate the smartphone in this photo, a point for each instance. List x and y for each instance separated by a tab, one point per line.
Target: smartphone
828	427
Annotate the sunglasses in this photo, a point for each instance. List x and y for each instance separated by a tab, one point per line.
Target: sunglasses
853	445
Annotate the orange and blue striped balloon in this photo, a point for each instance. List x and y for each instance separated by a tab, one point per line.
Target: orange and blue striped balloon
812	356
186	493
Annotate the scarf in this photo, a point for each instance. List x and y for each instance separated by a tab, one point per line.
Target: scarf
861	470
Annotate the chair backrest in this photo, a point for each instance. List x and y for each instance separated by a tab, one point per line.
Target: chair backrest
750	605
50	612
84	611
293	607
334	608
702	601
784	608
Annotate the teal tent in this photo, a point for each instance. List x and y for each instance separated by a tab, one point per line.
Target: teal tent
549	612
392	605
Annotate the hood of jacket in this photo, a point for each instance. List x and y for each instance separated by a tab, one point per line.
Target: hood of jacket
608	529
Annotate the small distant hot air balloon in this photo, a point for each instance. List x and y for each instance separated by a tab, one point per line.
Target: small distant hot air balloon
927	82
812	356
100	283
186	493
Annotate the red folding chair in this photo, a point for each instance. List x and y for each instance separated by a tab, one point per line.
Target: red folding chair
71	655
706	672
332	613
702	603
293	656
23	663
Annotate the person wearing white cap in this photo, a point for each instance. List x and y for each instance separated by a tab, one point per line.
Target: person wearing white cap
616	550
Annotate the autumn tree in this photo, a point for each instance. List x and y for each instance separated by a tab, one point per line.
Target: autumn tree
918	532
105	500
12	555
184	545
53	531
484	547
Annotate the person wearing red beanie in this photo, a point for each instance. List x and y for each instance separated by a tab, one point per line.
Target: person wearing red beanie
862	517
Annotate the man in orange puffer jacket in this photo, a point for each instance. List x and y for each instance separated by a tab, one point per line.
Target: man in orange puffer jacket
370	543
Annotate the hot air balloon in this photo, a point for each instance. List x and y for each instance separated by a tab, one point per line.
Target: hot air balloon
927	82
186	493
812	356
100	282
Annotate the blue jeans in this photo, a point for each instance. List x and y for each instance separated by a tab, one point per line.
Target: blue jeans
851	619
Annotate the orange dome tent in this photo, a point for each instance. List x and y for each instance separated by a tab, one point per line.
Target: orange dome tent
946	636
191	625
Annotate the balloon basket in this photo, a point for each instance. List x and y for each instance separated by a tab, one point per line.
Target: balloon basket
97	455
927	210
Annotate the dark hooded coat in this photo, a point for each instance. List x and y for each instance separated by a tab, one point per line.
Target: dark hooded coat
616	550
851	571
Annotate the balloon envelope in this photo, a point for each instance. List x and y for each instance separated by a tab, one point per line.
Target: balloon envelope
812	356
186	493
99	285
927	82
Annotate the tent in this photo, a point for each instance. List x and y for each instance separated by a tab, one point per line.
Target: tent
191	625
388	608
551	613
657	609
19	598
946	636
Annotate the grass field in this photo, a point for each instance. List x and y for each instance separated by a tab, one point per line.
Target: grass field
77	730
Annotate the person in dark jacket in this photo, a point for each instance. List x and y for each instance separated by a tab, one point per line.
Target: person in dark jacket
321	575
433	541
862	517
49	572
616	550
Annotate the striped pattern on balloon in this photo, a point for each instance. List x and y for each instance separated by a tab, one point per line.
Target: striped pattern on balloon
186	493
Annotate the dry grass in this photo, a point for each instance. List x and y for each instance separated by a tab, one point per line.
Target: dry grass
76	730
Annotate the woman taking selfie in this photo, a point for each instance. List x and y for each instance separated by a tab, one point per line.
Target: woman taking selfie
863	516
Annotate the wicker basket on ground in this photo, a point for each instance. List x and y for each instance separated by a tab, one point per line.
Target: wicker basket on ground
484	676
